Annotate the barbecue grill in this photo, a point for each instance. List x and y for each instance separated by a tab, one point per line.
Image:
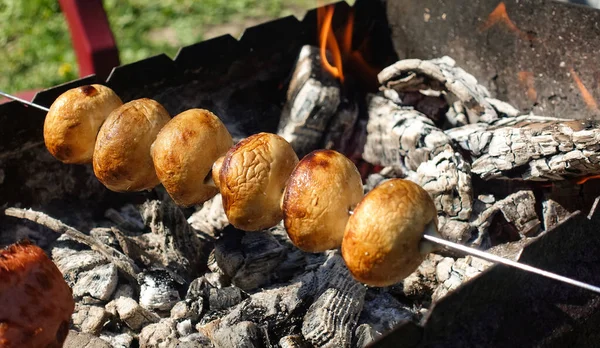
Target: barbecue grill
244	82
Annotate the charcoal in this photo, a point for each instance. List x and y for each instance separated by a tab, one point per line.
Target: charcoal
99	282
224	298
453	273
118	340
161	334
553	213
331	319
173	242
420	284
292	341
127	218
341	127
383	312
210	219
313	97
158	290
245	334
199	288
248	259
124	290
365	334
187	309
468	99
90	319
184	327
81	339
531	147
194	340
71	262
132	314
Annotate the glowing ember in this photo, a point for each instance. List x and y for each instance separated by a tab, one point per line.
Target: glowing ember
499	15
527	80
585	93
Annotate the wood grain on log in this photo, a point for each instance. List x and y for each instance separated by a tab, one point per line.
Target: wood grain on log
468	100
407	140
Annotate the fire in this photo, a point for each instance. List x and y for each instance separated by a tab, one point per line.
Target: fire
344	57
527	80
499	15
585	93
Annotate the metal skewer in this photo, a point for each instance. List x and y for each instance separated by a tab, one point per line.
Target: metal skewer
497	259
10	96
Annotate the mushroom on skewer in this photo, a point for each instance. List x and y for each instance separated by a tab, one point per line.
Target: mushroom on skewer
74	119
383	241
184	152
321	192
252	180
122	160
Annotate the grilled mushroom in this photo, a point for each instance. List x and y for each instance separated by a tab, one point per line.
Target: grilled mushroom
252	180
184	152
122	160
322	190
383	238
72	124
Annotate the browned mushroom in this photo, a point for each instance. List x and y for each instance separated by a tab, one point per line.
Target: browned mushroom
322	191
122	160
252	180
72	124
184	152
383	239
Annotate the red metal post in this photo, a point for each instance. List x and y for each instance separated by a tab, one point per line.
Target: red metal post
92	37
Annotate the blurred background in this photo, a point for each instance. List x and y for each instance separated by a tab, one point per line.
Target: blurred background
36	45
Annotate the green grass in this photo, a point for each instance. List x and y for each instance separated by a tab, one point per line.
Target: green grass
36	44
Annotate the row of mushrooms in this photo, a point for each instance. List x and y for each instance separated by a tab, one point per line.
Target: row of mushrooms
136	146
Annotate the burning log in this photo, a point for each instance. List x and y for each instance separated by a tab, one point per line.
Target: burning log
409	142
469	101
316	114
532	148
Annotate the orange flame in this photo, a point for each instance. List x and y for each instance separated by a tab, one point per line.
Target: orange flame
327	41
527	80
585	93
499	15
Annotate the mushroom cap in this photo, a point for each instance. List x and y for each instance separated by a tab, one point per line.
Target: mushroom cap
36	303
216	169
381	244
72	124
184	152
252	180
122	160
322	190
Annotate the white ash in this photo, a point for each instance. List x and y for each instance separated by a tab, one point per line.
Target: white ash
90	319
99	282
223	298
158	290
452	273
81	339
383	312
248	259
121	340
442	74
365	334
292	341
210	218
132	314
161	334
407	140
